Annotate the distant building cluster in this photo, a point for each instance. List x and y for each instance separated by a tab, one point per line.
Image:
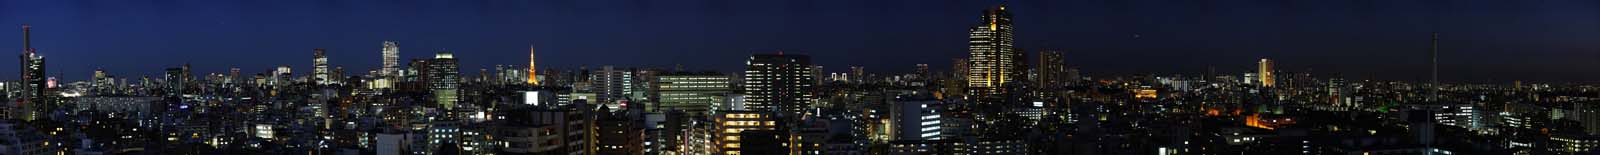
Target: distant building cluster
993	101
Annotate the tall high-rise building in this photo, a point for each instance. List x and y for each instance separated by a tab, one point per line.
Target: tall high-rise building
391	59
174	78
233	75
960	67
817	72
100	84
993	59
1265	73
778	82
1052	69
858	74
533	71
922	71
444	79
319	70
33	76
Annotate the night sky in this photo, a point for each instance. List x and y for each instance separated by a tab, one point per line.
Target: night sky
1482	40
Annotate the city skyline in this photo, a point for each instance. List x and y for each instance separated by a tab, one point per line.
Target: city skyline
1304	35
1007	92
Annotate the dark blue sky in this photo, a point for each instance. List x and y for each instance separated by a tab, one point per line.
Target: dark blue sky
1483	40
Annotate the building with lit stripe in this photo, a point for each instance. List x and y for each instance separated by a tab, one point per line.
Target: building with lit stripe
391	59
444	79
731	124
993	60
1265	73
319	70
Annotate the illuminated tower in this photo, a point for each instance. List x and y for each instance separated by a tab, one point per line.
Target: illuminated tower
533	73
33	77
993	58
391	58
319	63
444	79
1265	72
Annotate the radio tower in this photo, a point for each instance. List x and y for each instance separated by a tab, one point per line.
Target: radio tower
533	73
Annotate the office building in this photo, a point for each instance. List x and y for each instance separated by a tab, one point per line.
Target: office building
694	93
33	77
779	83
391	59
731	126
1052	69
1265	73
319	70
444	79
612	84
915	119
994	60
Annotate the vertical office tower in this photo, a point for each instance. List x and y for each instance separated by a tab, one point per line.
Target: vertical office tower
960	67
1052	69
1336	92
233	75
280	77
858	74
99	84
611	84
33	77
533	72
694	93
816	72
175	82
922	71
778	82
1265	72
319	70
444	79
993	58
391	56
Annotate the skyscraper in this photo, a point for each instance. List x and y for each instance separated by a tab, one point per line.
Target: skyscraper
960	67
444	79
1052	69
319	70
1265	72
533	72
993	58
33	77
858	74
391	58
778	82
